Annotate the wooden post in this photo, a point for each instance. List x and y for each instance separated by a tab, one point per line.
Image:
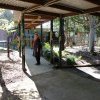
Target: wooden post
41	33
23	44
51	43
19	31
8	47
61	38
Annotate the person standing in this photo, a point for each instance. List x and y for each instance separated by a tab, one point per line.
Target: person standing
37	47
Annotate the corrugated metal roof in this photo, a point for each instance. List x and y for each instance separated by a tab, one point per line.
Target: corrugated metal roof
81	4
49	9
54	10
17	3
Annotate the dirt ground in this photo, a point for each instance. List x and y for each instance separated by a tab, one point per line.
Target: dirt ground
14	83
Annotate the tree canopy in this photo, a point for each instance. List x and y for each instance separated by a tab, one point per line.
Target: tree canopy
6	19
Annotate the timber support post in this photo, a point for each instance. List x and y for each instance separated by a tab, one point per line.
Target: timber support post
23	44
41	32
51	42
19	31
61	39
8	47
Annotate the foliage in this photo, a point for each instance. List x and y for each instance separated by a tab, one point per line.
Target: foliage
47	46
14	41
71	59
46	50
6	19
77	23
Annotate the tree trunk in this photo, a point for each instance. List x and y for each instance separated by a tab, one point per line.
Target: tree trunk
92	33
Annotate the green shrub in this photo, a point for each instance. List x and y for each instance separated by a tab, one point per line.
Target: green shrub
70	60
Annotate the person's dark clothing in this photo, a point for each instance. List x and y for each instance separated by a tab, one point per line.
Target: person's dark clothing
37	45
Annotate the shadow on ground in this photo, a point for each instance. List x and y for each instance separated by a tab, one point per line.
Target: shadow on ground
6	95
67	84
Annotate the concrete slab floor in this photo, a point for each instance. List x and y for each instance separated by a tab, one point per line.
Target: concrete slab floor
67	84
62	84
36	69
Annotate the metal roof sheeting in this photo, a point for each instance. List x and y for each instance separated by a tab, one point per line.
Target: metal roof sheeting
54	10
81	4
48	9
17	3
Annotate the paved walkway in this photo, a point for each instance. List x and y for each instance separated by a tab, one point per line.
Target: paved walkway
64	84
36	69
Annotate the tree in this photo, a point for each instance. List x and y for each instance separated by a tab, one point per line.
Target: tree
6	19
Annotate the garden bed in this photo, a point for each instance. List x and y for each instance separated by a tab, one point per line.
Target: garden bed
71	56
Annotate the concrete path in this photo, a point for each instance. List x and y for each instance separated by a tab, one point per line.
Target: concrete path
36	69
63	84
67	84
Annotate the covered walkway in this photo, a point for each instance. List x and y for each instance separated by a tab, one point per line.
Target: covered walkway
34	69
71	84
63	84
43	82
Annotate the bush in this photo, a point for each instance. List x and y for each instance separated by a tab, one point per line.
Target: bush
70	60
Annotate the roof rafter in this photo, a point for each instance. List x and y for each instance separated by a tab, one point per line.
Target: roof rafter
40	2
27	16
39	12
46	4
66	7
71	14
97	2
11	7
91	10
95	9
96	14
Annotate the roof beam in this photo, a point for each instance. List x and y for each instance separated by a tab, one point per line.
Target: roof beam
95	9
27	16
31	25
38	12
39	21
97	2
30	22
40	2
91	11
11	7
66	7
30	16
96	14
70	14
46	4
34	25
27	21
